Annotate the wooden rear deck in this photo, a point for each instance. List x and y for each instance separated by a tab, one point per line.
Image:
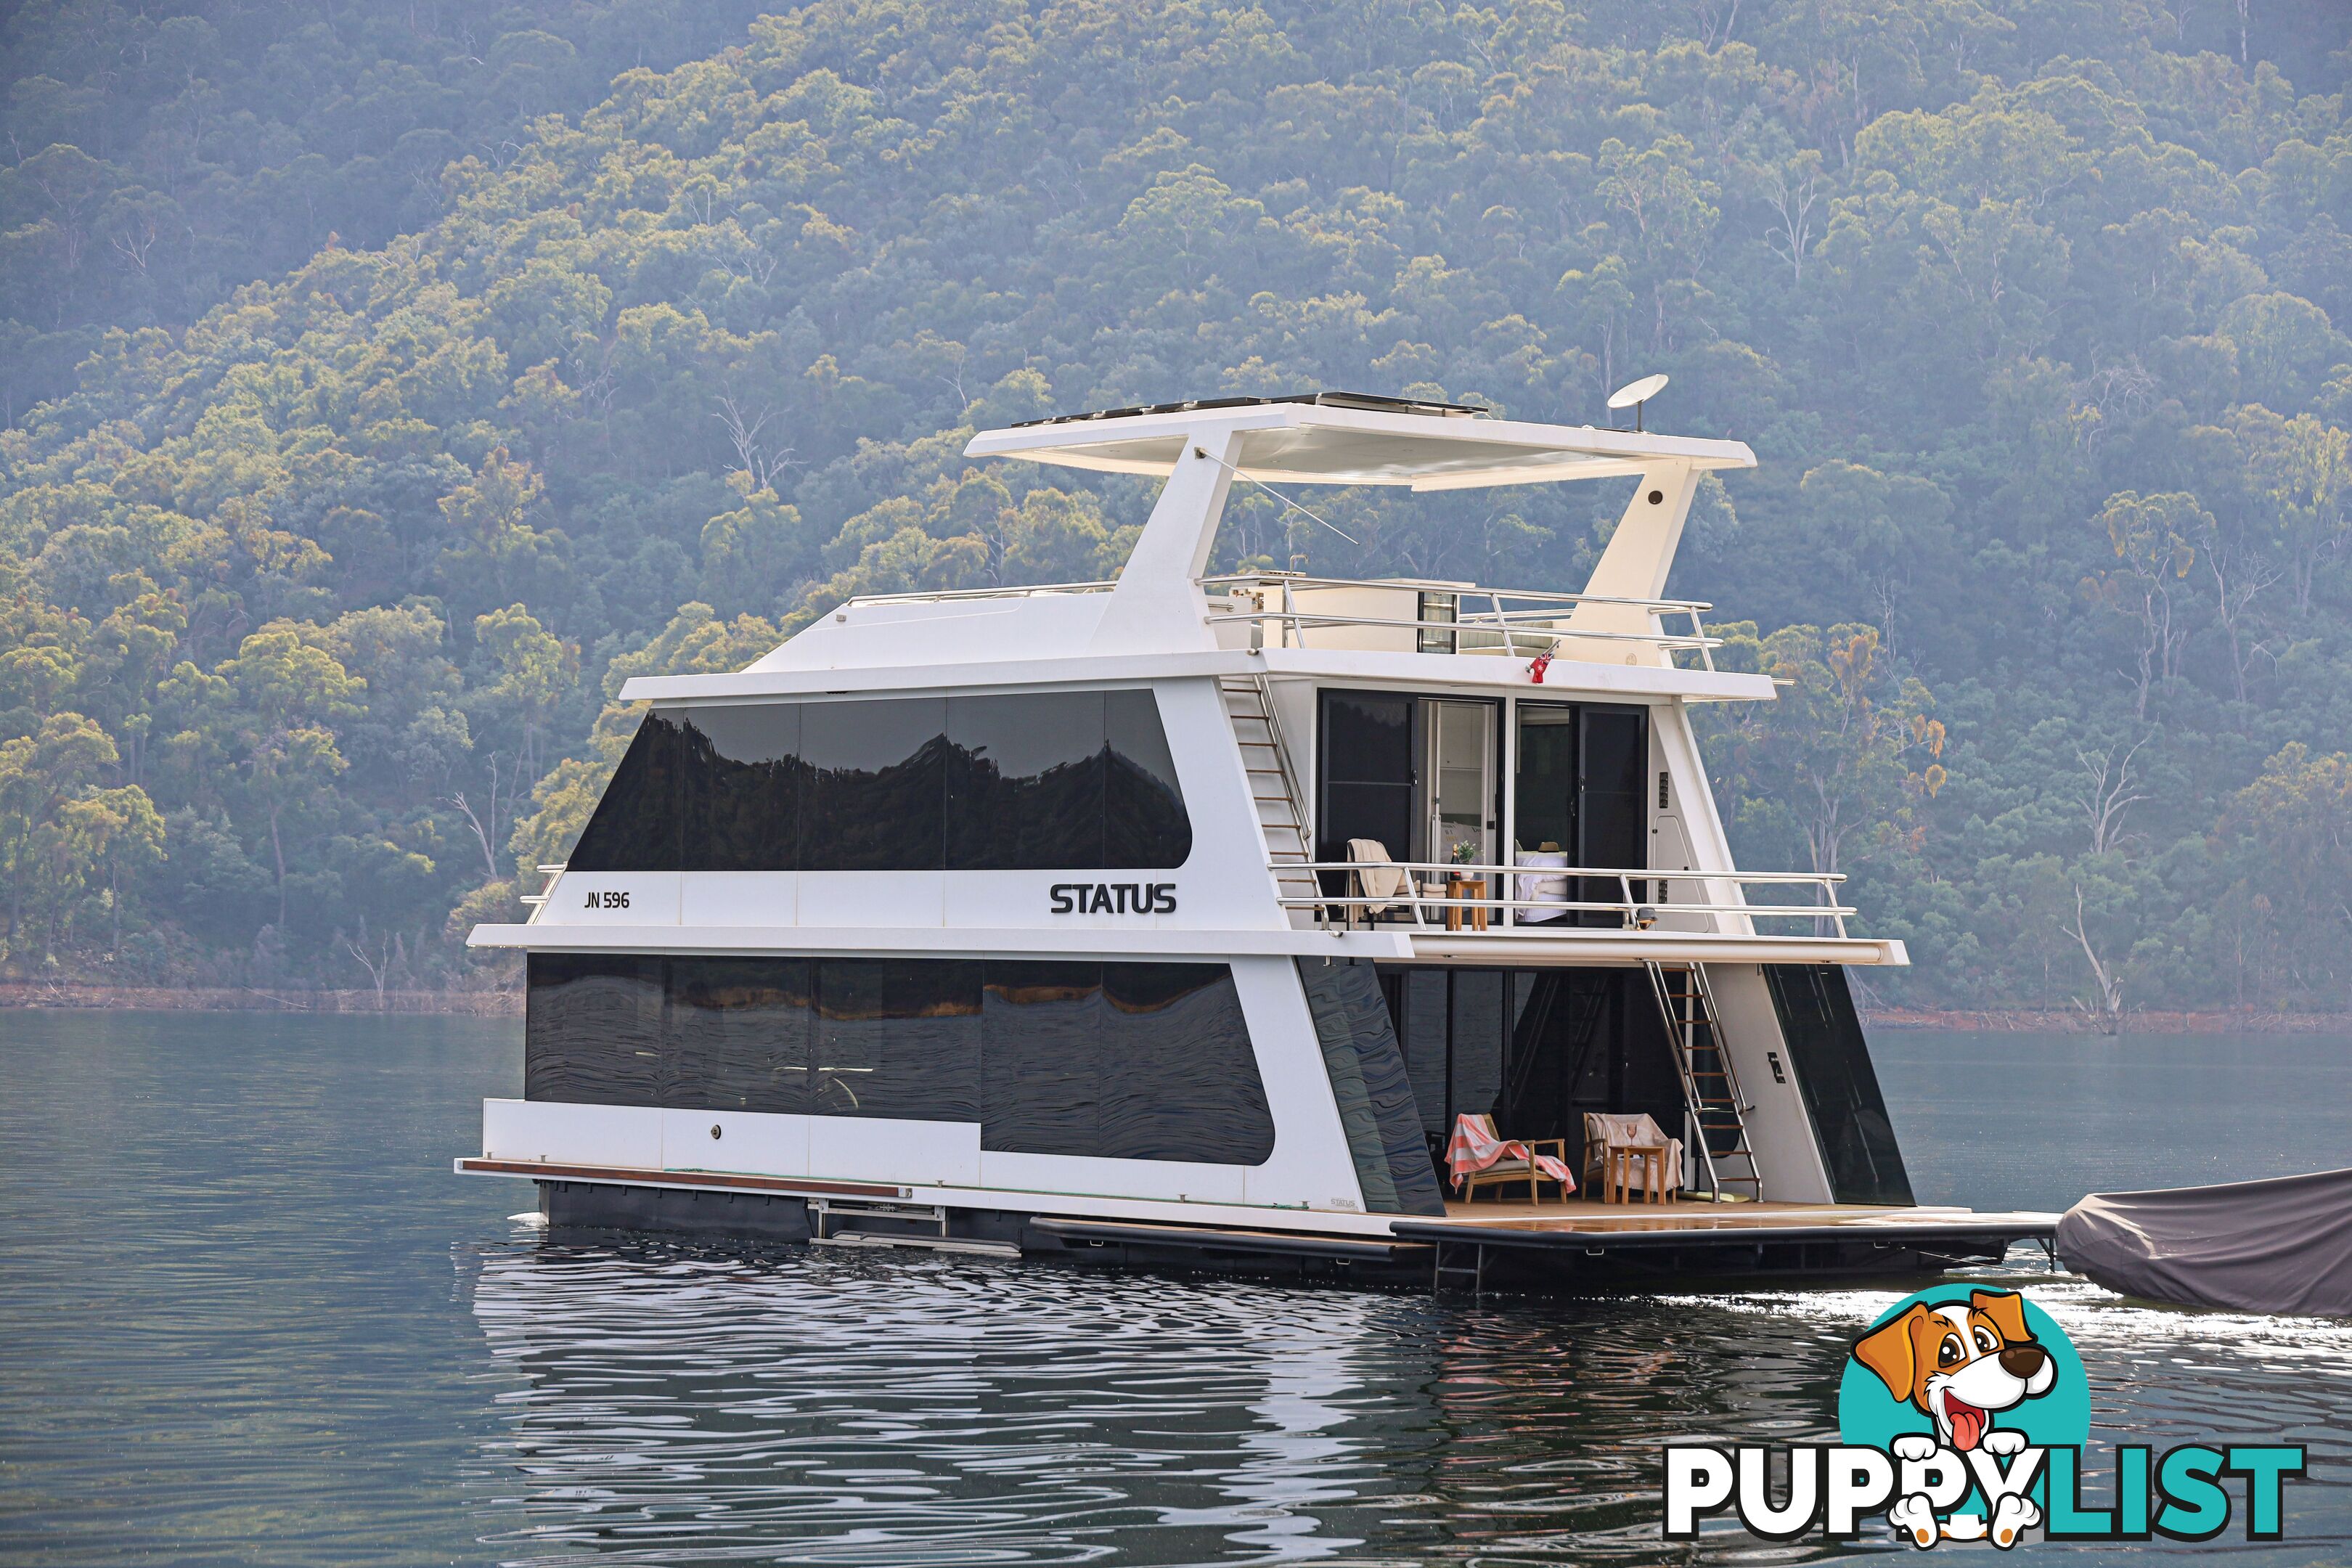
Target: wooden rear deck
1604	1228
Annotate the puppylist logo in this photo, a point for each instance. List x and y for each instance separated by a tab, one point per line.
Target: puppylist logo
1963	1415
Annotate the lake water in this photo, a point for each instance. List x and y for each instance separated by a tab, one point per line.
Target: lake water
247	1315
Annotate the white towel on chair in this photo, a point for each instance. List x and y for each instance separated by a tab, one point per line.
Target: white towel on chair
1379	876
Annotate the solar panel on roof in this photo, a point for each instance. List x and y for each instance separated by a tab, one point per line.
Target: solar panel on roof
1367	400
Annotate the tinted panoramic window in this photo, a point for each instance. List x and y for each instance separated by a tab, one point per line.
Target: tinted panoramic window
1041	1058
636	824
1131	1060
737	1034
740	801
1034	781
1026	782
899	1038
595	1030
1144	824
877	785
1175	1063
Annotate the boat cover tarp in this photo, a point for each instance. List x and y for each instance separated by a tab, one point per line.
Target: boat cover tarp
2278	1245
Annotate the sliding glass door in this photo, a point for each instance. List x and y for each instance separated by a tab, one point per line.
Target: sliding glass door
1462	803
1577	800
1415	776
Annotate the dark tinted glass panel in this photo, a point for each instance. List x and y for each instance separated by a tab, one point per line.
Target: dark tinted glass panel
1041	1029
1025	782
1612	816
1546	786
741	806
899	1038
1476	1076
1377	812
1050	1058
1616	756
1367	739
875	796
1840	1086
1031	781
739	1034
1364	760
1144	823
1423	1040
1178	1078
636	825
592	1029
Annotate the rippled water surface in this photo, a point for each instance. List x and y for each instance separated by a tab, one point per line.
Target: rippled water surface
246	1315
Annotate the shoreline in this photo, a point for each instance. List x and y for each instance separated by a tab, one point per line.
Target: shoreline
508	1004
250	999
2066	1021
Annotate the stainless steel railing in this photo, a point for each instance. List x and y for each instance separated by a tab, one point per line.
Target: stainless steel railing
1285	611
1502	899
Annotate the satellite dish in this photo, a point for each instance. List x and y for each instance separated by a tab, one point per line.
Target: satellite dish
1634	394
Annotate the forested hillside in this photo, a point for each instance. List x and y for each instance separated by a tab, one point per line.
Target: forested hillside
393	382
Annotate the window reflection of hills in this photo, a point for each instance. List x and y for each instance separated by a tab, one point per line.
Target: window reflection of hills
1034	781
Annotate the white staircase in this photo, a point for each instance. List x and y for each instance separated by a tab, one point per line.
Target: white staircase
1273	786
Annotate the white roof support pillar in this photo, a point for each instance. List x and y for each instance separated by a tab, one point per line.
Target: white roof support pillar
1157	603
1634	566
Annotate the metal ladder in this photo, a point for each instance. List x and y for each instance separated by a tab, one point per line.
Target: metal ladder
1710	1087
1273	788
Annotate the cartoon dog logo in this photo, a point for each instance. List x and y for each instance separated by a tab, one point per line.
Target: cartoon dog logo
1961	1366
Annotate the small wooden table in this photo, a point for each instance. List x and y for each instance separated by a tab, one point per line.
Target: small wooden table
1465	888
1617	1173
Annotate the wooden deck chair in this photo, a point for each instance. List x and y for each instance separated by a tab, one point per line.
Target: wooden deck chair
1507	1161
1605	1129
1377	878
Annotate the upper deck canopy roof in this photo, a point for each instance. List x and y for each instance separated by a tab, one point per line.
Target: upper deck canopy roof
1349	438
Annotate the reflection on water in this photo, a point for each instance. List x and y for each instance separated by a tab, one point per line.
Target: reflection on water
251	1318
824	1408
684	1406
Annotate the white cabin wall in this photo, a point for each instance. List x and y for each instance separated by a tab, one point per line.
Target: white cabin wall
1676	748
895	636
1293	709
1224	884
1670	846
616	898
742	899
752	1142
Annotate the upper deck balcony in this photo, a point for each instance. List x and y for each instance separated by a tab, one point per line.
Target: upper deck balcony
1258	610
1398	614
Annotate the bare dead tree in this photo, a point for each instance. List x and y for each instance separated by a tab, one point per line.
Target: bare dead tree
481	835
2108	1015
1793	200
751	455
487	837
377	964
2236	582
1716	23
2103	791
133	244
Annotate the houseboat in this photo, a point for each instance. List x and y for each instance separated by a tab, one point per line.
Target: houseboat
1222	919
